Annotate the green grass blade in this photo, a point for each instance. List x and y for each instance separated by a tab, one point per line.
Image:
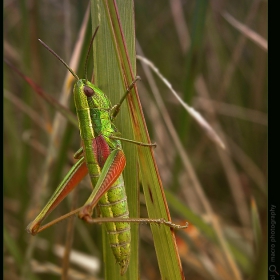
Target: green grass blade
12	247
165	245
108	77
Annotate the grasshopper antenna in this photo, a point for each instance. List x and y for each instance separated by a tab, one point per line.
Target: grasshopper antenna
89	48
60	59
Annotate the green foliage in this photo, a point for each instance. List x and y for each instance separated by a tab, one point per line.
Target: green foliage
228	86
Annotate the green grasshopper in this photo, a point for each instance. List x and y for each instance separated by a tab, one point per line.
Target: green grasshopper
102	157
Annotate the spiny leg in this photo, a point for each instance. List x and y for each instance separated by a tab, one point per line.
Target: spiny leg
116	108
91	220
134	142
137	220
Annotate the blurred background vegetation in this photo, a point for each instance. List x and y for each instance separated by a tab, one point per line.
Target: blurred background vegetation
214	53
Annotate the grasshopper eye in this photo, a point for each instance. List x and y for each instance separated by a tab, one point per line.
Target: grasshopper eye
88	91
